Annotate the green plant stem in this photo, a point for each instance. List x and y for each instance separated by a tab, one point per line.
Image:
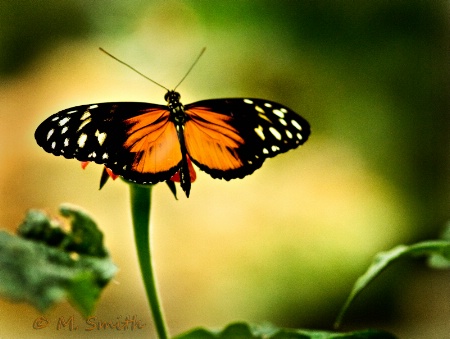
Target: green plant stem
140	210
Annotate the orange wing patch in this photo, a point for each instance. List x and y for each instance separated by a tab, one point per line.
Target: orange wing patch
211	141
153	140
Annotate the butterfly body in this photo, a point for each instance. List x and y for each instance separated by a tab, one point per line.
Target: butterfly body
148	143
178	117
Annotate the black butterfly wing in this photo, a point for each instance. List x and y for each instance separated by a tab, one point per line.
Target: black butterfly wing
231	138
135	140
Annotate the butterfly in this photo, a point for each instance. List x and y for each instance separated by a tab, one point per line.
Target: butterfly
148	143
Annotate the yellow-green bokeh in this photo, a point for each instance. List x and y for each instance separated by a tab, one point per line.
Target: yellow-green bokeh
285	244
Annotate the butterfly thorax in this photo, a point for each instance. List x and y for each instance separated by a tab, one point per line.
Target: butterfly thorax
177	114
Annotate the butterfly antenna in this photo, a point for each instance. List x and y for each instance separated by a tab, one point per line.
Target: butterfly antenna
123	63
190	69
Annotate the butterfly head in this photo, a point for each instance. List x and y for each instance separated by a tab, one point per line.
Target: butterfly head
172	96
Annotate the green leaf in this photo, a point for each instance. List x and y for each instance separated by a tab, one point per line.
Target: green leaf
267	331
439	248
441	260
45	263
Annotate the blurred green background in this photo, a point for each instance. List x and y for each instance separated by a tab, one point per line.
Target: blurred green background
285	244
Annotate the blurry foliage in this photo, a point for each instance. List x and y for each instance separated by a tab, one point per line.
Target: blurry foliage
28	27
437	253
246	331
45	263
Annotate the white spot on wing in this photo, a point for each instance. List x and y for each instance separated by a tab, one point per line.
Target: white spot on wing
260	132
70	112
66	142
275	148
283	122
64	130
82	140
275	133
84	123
49	134
63	121
93	106
248	101
55	118
85	115
265	151
53	144
284	110
278	113
101	136
296	125
299	136
105	156
289	134
268	104
259	109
